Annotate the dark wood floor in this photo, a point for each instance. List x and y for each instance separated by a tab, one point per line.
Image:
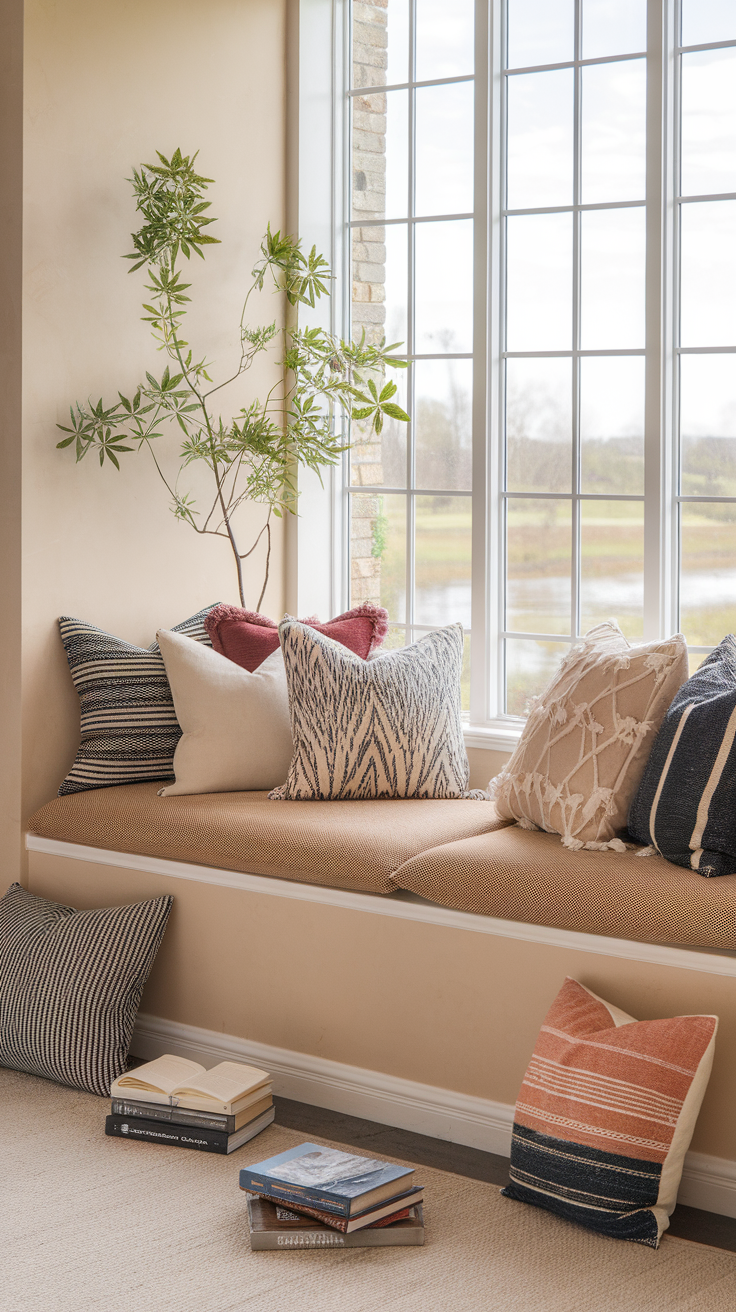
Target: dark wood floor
687	1222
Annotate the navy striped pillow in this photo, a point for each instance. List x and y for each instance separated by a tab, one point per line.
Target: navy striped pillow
686	802
129	727
71	983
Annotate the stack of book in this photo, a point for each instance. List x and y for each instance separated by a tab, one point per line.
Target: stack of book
315	1197
178	1102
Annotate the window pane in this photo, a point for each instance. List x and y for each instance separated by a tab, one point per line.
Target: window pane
378	552
395	239
614	132
539	282
445	35
442	560
369	44
443	394
377	461
539	425
540	139
397	12
612	560
612	300
444	287
529	668
397	154
612	424
540	32
708	425
538	563
708	287
708	20
708	572
369	156
444	147
614	27
709	122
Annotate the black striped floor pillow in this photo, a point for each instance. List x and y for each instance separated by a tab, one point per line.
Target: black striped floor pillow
71	983
686	802
129	728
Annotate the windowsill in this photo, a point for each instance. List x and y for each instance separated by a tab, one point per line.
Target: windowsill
496	736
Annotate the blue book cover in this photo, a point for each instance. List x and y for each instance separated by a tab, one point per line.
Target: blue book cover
343	1183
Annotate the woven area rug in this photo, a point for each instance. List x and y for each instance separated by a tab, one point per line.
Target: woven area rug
94	1223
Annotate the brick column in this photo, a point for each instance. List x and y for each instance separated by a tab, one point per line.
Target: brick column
370	60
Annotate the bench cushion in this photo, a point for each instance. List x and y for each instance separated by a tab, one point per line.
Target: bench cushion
356	845
530	877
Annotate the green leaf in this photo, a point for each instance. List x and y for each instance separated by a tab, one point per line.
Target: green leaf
395	412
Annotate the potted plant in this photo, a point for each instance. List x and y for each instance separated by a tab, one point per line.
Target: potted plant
255	455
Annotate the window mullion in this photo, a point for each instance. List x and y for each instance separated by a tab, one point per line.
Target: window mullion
411	342
482	640
658	431
576	278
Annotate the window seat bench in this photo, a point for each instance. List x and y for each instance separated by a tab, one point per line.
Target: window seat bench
395	960
458	854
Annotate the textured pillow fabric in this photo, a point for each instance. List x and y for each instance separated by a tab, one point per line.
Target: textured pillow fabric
248	638
388	727
235	725
129	728
584	747
70	985
605	1114
686	803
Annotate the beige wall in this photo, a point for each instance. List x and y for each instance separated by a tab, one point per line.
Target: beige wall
11	235
100	98
484	764
447	1007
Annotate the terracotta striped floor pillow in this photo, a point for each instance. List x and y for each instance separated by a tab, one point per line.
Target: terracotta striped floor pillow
606	1113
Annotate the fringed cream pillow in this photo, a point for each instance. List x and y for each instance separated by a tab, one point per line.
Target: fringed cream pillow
586	742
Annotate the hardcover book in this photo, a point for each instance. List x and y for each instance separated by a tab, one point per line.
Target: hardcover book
176	1082
153	1111
385	1214
274	1227
186	1136
342	1183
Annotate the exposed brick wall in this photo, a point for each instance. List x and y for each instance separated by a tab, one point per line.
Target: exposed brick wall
368	268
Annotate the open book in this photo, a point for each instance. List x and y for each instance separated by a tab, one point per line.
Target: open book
226	1089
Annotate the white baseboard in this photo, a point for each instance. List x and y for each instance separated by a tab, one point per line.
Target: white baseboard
707	1182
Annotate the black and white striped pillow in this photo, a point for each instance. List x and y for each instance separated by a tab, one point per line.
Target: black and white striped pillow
686	802
129	727
71	983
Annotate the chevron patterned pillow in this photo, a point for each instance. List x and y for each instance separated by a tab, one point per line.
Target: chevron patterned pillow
606	1112
129	728
70	985
386	727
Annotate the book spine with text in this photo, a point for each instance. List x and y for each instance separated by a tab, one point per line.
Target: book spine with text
264	1185
165	1132
149	1111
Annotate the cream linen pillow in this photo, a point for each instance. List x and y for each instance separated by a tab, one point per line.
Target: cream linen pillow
586	742
236	733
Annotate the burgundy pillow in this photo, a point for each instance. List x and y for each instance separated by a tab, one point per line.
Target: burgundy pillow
248	638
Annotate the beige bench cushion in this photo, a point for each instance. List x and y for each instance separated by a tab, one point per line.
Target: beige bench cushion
519	875
355	845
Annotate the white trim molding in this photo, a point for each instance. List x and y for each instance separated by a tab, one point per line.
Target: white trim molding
404	906
707	1182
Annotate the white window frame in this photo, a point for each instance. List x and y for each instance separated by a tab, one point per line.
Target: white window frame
322	29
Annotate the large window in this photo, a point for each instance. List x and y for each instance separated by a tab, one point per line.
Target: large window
604	270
